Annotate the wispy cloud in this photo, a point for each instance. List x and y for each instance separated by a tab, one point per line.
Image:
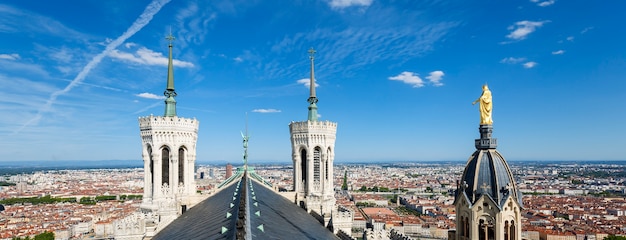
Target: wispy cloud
340	4
585	30
409	78
149	96
18	20
147	57
570	38
513	60
194	23
530	64
543	3
266	110
435	78
382	36
558	52
12	56
238	59
307	82
139	23
520	30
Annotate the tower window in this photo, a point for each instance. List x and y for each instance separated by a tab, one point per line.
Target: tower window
303	164
181	165
165	166
316	164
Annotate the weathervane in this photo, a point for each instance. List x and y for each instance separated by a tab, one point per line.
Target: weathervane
245	145
170	38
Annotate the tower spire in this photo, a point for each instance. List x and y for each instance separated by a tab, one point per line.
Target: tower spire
170	93
312	98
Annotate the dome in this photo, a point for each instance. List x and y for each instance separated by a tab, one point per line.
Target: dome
488	173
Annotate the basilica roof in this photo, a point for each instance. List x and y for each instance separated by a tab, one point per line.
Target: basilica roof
245	210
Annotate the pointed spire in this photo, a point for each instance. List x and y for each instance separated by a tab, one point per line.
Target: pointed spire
170	93
312	98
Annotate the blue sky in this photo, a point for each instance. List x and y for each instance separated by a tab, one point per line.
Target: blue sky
399	76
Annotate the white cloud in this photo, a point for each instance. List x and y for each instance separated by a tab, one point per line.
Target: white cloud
530	64
435	78
521	29
544	3
570	38
586	30
512	60
149	96
12	56
147	57
558	52
409	78
238	59
339	4
130	45
307	82
266	110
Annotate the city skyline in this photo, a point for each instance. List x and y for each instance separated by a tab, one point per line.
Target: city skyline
398	77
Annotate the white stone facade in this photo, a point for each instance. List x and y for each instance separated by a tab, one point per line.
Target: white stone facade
169	156
486	220
313	145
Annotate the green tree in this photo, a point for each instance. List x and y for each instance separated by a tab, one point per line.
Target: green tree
44	236
345	181
613	237
363	188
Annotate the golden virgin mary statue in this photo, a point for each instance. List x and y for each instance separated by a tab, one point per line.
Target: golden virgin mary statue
485	107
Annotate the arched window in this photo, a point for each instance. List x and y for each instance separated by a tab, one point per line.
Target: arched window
326	162
506	230
316	163
303	164
151	167
165	166
181	165
512	232
467	234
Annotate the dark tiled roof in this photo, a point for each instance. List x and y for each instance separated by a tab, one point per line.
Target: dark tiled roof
487	173
281	218
206	219
269	216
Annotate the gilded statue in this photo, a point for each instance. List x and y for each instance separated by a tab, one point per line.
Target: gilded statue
485	106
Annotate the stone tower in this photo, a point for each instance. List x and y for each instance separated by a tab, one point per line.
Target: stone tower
488	203
313	146
169	156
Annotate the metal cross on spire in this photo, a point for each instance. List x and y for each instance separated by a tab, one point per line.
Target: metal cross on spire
170	38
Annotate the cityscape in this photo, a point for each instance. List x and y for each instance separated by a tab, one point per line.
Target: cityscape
562	200
389	97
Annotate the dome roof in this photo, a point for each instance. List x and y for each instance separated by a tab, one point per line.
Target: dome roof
488	173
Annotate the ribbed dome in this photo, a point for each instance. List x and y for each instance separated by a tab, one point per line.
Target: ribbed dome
487	172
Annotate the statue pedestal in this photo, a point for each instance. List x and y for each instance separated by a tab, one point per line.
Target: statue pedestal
486	141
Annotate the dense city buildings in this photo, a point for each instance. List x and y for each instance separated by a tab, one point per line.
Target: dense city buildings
572	200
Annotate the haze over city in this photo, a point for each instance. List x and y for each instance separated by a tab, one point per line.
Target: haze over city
398	77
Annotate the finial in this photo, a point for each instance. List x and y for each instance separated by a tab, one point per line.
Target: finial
312	98
170	38
245	145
